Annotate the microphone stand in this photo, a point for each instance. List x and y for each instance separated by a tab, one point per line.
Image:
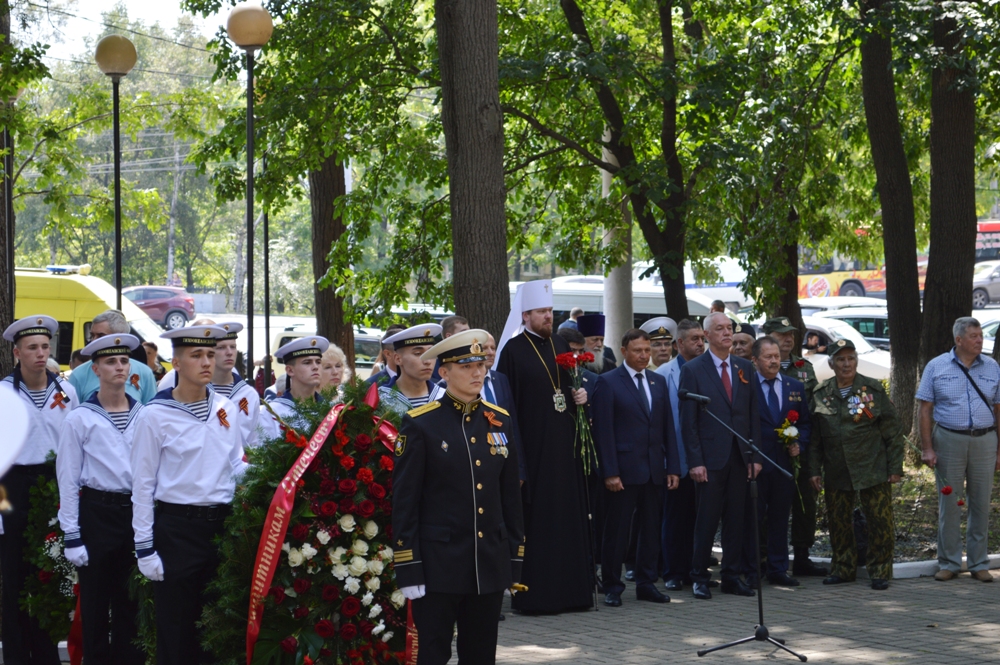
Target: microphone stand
761	633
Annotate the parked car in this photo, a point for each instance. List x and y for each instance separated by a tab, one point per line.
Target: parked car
811	306
871	322
871	361
169	306
985	284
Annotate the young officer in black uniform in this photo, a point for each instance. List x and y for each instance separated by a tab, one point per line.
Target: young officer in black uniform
457	510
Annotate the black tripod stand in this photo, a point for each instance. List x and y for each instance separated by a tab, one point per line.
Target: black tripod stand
760	633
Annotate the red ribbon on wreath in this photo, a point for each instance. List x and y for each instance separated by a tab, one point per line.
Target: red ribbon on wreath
74	642
276	523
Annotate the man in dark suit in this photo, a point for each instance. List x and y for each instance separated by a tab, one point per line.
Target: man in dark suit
718	461
634	433
777	397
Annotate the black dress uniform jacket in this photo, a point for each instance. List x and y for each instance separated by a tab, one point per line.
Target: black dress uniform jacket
456	507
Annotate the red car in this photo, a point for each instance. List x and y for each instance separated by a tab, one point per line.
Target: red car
169	306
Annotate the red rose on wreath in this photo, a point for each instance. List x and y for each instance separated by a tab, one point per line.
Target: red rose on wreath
330	593
289	644
327	487
386	463
362	441
793	416
350	606
301	612
366	628
301	585
306	660
365	475
44	576
300	532
328	509
278	593
347	462
386	506
376	490
52	536
325	628
348	631
366	508
348	487
347	505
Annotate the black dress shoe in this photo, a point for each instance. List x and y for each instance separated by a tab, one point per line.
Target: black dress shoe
700	590
613	599
802	566
751	581
737	588
835	579
652	594
713	561
880	585
630	575
782	579
674	584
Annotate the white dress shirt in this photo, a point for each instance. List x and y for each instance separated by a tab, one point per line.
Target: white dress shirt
645	383
45	424
92	453
718	366
178	458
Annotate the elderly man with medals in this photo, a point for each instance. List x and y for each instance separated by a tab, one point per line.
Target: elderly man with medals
558	566
457	509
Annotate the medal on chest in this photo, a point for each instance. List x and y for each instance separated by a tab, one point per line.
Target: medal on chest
498	443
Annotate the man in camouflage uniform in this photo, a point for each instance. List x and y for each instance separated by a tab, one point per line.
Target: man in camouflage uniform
781	330
857	445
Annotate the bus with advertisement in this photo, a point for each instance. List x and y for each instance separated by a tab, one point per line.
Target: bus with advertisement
838	275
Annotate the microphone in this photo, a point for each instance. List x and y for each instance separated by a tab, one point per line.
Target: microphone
683	393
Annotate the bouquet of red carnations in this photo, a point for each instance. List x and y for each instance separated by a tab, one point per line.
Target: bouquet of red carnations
572	362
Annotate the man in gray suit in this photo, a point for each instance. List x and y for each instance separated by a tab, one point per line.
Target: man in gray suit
718	462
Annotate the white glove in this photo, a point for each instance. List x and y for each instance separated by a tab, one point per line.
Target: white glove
152	567
414	592
78	556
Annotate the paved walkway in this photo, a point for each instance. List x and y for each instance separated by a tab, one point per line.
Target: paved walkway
916	621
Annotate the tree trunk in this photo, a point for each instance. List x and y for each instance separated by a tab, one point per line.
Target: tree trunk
6	296
895	192
788	304
326	186
948	290
172	228
473	129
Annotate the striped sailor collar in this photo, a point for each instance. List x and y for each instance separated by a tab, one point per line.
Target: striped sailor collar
16	379
166	398
238	382
287	398
95	405
391	385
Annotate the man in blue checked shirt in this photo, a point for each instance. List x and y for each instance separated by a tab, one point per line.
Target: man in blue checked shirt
959	393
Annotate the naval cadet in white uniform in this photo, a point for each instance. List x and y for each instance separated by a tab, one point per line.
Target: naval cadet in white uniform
187	456
412	386
95	503
303	358
228	383
48	401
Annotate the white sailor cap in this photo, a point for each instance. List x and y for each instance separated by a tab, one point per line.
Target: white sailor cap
660	327
460	348
200	335
111	345
36	324
423	335
301	347
232	328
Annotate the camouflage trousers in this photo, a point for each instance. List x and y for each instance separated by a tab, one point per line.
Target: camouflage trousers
876	503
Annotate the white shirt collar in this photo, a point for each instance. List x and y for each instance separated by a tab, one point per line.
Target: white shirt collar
633	372
718	361
777	379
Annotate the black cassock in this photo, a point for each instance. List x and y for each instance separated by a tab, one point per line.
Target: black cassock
557	568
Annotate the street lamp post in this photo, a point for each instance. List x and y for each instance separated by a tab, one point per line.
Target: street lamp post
116	57
249	26
8	199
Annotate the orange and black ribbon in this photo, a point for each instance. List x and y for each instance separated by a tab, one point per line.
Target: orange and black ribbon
222	417
245	406
58	400
743	379
492	418
134	380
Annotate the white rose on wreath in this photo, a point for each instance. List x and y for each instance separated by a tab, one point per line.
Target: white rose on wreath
360	547
353	585
295	558
340	571
368	598
387	636
347	523
357	566
386	554
373	583
380	627
308	551
374	612
371	529
375	567
397	599
337	555
323	537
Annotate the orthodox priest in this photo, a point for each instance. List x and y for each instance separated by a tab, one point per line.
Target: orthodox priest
558	567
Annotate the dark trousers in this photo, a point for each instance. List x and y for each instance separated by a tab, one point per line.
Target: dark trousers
774	503
106	530
435	616
633	541
722	497
24	643
190	559
595	497
679	509
646	501
804	515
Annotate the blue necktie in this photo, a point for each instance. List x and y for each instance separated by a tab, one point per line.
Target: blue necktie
488	389
772	399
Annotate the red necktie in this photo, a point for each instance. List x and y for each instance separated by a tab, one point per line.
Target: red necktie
726	383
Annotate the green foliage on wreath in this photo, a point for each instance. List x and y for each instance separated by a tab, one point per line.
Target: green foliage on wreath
48	595
334	598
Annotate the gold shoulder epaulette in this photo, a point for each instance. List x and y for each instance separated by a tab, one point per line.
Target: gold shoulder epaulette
421	410
493	406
